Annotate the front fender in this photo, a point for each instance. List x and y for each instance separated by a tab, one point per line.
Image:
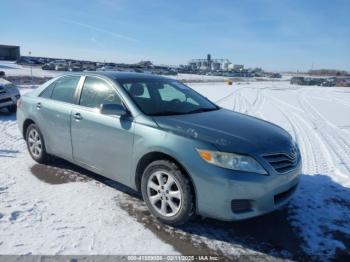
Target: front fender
150	139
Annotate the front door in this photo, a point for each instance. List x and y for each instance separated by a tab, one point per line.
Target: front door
102	142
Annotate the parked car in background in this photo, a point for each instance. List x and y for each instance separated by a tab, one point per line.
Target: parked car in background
332	81
48	66
343	82
89	67
29	61
9	95
75	67
275	75
315	81
185	154
297	80
61	65
170	72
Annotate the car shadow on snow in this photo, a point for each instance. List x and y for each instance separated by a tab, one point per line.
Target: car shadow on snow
273	234
5	115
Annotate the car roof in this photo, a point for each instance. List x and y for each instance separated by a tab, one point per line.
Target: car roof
124	75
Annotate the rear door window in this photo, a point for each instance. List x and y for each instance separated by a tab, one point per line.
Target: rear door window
64	89
48	91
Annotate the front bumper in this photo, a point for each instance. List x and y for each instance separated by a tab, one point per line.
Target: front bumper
232	195
8	99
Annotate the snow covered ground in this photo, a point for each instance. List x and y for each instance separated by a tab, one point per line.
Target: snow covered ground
63	209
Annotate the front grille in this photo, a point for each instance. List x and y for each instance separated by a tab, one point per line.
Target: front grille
283	162
241	205
4	100
2	91
284	195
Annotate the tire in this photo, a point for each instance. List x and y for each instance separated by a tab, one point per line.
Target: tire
12	109
167	193
36	144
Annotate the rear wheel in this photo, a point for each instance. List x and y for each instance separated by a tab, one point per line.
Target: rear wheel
12	108
167	192
36	144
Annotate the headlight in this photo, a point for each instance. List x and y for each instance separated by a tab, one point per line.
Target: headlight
232	161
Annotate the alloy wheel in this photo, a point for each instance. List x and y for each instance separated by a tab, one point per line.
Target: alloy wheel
164	193
34	142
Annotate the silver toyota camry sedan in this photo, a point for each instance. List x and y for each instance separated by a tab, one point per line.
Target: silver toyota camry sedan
185	154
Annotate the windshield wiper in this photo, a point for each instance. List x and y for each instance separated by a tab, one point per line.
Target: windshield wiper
167	113
170	113
200	110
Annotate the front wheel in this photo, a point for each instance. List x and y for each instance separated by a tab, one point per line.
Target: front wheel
36	144
167	192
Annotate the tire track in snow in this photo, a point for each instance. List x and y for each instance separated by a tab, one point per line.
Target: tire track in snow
318	160
322	161
225	98
258	103
331	134
239	103
243	105
322	197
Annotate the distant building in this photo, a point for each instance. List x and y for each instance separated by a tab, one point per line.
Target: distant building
210	64
215	66
9	52
237	67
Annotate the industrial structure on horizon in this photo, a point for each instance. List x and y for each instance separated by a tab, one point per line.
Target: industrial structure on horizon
210	64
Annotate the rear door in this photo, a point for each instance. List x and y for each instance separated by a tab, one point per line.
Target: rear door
102	142
54	109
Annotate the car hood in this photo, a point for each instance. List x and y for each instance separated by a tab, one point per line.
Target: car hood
229	131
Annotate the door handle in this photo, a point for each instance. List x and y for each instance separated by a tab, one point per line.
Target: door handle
38	106
77	116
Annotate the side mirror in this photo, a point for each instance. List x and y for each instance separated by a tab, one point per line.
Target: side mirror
113	109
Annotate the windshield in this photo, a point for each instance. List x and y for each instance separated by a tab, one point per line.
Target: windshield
165	97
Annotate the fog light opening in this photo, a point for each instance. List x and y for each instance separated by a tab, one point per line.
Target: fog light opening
241	205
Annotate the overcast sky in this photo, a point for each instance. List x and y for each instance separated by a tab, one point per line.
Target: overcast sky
274	35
